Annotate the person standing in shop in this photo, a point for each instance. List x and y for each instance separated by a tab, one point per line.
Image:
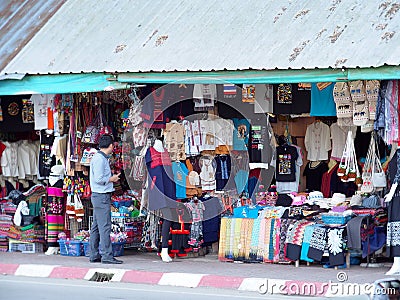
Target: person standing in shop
101	184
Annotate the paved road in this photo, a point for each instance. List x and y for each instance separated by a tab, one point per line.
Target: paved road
13	287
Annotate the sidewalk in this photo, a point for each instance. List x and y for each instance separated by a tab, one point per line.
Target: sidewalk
205	271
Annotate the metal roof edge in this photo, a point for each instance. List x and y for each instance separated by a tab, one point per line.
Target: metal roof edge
264	76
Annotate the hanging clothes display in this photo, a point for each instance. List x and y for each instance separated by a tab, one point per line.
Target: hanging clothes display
286	157
317	141
162	190
322	102
223	171
154	104
339	136
314	173
46	161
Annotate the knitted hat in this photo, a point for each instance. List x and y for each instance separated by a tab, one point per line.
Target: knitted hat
338	198
356	200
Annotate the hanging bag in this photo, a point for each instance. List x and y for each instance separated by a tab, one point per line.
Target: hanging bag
104	128
367	186
360	103
378	175
70	206
342	98
372	91
92	132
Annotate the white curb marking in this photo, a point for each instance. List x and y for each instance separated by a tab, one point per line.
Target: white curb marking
34	270
181	279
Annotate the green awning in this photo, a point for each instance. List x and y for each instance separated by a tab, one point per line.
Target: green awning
92	82
59	84
271	76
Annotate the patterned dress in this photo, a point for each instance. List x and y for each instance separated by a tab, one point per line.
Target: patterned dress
393	227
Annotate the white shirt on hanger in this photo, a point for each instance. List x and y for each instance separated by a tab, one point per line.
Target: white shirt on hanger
40	104
223	132
9	160
317	141
207	174
339	137
24	167
207	131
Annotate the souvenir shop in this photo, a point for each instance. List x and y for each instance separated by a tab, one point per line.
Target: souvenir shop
274	173
335	160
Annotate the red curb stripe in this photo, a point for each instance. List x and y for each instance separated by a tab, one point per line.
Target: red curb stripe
142	277
221	281
8	269
69	272
306	288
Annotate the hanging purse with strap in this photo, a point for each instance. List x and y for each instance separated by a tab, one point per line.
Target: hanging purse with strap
92	132
104	128
367	186
378	175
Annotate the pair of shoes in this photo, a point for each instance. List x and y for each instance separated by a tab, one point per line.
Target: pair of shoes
96	260
112	261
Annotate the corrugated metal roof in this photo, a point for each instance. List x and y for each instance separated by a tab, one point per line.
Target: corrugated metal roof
19	21
207	35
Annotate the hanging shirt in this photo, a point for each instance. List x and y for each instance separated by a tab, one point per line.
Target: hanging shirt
264	102
181	101
24	167
204	96
9	160
288	187
314	174
153	109
322	102
180	173
223	132
190	147
223	171
46	161
241	134
207	174
292	98
260	152
12	108
207	131
317	141
174	140
339	137
286	157
41	102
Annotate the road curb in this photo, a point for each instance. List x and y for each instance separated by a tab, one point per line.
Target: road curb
192	280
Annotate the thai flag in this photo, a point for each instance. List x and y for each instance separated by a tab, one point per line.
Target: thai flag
229	89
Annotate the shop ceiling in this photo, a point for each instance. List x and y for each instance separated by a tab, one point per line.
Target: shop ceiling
164	41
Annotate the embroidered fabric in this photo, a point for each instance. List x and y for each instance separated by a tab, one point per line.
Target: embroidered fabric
393	234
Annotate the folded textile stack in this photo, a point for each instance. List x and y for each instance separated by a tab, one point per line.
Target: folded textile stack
9	208
3	243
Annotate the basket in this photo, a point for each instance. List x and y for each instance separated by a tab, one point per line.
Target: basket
70	248
24	247
86	248
331	219
117	248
